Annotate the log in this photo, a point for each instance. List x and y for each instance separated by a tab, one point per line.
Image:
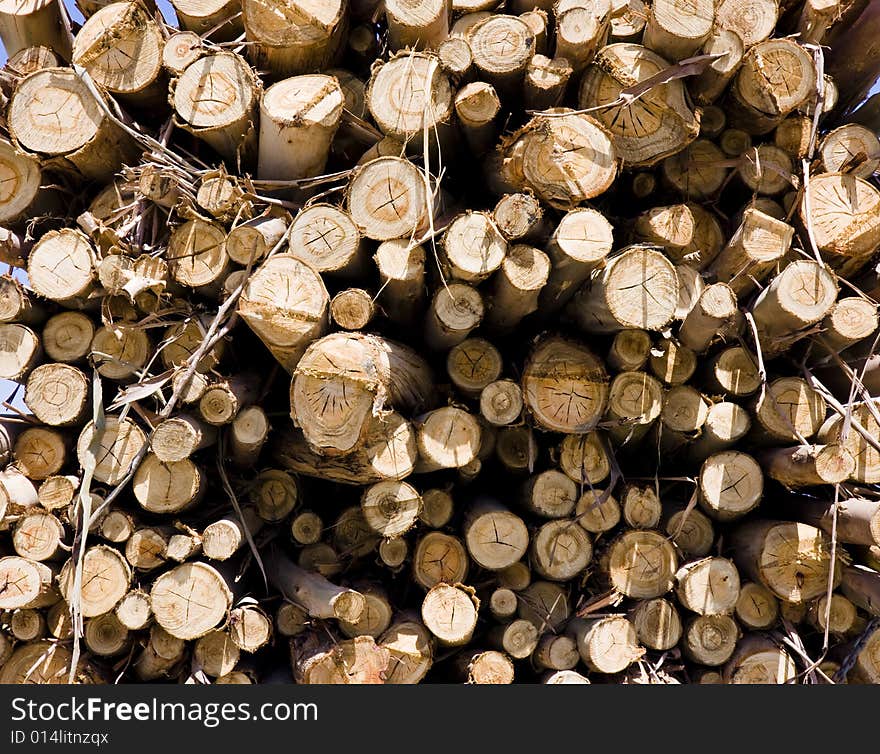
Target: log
35	22
200	17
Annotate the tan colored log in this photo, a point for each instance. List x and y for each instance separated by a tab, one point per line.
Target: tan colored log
545	82
476	108
776	77
857	519
709	586
189	600
791	559
473	365
550	494
735	142
545	604
851	148
409	643
502	46
629	350
656	623
495	537
560	550
850	320
215	653
38	536
388	451
606	645
377	615
473	247
793	135
861	586
501	402
166	488
352	309
389	198
486	667
581	242
35	22
734	370
766	169
437	508
294	37
161	656
642	564
842	212
401	275
440	558
448	438
61	267
597	511
565	157
455	57
20	186
711	83
450	613
714	315
585	458
759	660
299	117
518	639
179	437
634	403
641	507
757	607
40	453
411	98
57	492
615	299
712	121
252	240
290	619
58	620
224	399
225	119
183	544
841	618
192	388
146	548
17	305
201	16
502	603
335	364
117	526
89	141
726	423
755	248
391	508
249	628
223	538
26	584
807	465
286	323
580	32
455	310
730	484
26	625
247	435
19	351
325	237
120	46
710	639
43	662
789	409
556	652
564	386
698	171
197	255
221	196
677	31
106	577
800	296
120	352
516	287
668	124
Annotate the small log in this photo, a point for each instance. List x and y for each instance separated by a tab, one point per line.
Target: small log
455	310
757	607
808	465
613	300
391	508
226	536
850	320
656	623
517	286
502	46
580	33
477	107
105	579
34	22
402	279
642	564
40	453
634	403
709	85
26	584
120	46
758	660
38	536
473	365
179	437
19	351
545	82
606	645
298	120
294	37
447	438
518	639
641	507
597	511
449	612
439	558
791	559
200	17
709	586
790	409
710	639
775	78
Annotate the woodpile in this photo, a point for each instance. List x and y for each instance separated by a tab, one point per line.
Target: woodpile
443	340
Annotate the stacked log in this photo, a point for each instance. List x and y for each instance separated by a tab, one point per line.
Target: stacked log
436	341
